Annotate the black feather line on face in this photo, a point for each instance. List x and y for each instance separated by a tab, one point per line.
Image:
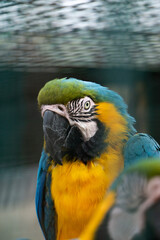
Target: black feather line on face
83	116
75	147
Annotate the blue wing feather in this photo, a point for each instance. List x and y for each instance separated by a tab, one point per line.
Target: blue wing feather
140	146
44	203
41	179
40	199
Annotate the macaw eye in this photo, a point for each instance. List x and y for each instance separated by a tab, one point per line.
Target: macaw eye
87	105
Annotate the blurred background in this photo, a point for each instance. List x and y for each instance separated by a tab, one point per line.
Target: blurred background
112	42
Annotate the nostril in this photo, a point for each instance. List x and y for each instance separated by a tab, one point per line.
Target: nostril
60	108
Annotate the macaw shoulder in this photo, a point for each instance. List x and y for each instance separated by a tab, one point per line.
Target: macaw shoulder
140	146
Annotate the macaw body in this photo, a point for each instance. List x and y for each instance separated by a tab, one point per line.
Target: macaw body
86	127
131	209
88	138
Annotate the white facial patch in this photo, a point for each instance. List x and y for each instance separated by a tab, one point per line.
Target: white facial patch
88	129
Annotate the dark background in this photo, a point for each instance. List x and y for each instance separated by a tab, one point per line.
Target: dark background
20	121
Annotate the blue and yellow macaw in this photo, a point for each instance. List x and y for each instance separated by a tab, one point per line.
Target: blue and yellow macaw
131	209
86	127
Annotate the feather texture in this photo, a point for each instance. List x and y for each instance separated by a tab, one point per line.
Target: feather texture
140	146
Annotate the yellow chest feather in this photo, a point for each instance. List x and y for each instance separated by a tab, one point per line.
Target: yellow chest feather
77	189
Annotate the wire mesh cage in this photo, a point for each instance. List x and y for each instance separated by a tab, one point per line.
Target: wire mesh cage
36	34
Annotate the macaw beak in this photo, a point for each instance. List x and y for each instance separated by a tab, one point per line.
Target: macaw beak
55	128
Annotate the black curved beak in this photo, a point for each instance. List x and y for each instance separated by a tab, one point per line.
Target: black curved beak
55	128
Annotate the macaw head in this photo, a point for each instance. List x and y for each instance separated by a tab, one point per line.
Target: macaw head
81	120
